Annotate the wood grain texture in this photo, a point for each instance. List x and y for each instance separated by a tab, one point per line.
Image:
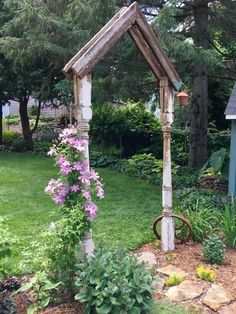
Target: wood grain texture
147	53
132	20
161	56
105	41
68	67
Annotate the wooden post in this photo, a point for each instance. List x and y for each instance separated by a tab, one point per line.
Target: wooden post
82	94
232	166
167	109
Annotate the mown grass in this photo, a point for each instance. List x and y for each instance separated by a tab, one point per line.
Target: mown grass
125	218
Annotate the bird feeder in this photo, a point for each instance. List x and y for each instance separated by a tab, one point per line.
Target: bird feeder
183	99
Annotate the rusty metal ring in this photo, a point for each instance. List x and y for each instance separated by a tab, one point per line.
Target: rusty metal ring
184	224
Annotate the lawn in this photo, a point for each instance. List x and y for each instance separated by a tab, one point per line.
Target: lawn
125	218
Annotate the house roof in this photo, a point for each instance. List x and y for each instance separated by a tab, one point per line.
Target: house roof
131	20
231	107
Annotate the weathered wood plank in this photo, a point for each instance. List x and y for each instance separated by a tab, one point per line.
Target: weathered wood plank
153	42
147	53
105	41
167	229
68	66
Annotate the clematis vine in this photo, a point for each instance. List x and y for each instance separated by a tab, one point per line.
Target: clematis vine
77	184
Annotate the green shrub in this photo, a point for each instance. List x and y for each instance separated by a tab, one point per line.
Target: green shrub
192	198
131	128
114	282
144	166
13	119
10	136
218	139
41	147
6	242
18	145
102	159
186	178
213	250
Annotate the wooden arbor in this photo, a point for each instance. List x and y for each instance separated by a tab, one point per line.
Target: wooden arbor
79	68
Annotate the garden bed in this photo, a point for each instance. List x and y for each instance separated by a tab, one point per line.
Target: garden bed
188	257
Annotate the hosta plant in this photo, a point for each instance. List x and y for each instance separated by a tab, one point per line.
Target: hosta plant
114	282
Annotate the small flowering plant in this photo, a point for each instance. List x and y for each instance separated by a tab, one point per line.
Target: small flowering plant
77	185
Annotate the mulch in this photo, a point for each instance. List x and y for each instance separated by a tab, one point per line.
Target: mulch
189	256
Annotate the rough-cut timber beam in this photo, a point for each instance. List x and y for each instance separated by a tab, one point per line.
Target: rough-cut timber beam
105	41
154	44
132	20
68	67
147	53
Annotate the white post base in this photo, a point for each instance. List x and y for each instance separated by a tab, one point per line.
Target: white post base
167	234
87	246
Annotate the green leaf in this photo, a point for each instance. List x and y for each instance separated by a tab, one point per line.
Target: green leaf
32	309
44	303
23	288
50	285
217	159
139	298
104	309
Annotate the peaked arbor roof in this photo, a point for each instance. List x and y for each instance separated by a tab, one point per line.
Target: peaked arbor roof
231	107
131	20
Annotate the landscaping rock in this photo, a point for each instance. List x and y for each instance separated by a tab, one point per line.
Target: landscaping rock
187	290
148	258
228	309
171	270
158	284
216	297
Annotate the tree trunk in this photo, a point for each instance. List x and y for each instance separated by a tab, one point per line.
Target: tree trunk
198	111
1	125
37	117
25	123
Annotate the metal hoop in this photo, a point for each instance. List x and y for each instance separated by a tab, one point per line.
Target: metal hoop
185	224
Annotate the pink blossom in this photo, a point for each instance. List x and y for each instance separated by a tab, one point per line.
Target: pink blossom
61	160
74	188
68	132
93	175
79	166
65	169
58	200
86	194
100	193
91	210
84	177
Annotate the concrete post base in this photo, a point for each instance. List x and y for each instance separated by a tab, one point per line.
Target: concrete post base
87	246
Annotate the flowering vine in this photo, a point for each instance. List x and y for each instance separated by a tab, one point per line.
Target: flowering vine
77	184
